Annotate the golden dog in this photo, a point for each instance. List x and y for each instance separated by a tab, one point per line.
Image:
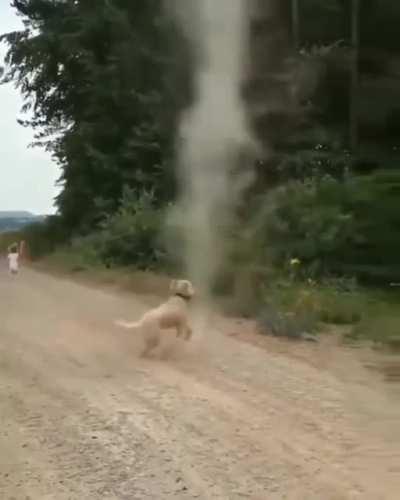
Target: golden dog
171	314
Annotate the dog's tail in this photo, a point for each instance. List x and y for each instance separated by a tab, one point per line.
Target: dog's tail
127	325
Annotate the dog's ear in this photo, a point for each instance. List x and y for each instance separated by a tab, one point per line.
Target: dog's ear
188	288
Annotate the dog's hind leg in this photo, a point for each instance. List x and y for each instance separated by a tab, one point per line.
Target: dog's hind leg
152	340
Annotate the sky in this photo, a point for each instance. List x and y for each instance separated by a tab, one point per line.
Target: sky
27	175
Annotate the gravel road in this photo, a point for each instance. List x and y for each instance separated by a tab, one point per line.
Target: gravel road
82	418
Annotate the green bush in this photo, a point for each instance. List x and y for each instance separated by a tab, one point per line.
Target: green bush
131	235
278	323
373	254
72	258
43	237
84	252
289	310
338	307
306	220
349	227
292	308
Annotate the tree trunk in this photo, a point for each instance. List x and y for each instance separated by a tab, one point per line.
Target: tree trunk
296	24
354	75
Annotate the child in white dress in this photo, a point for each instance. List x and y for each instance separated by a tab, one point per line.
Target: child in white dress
13	264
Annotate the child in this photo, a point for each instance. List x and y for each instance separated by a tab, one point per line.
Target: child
13	257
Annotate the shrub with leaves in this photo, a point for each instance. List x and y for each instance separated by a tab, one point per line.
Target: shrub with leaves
306	220
346	227
44	237
375	249
130	236
279	323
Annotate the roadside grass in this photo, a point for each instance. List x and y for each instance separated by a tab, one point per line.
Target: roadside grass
292	309
287	308
77	265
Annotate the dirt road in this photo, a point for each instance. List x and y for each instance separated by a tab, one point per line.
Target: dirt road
81	418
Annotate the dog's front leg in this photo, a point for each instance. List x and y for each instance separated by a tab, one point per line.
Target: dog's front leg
126	324
189	333
180	331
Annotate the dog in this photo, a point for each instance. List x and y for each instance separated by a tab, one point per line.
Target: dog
171	314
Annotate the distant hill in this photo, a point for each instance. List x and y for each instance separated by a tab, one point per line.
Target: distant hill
9	214
17	219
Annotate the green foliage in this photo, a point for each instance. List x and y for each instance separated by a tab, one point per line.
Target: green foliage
273	321
380	322
382	328
131	235
375	249
7	239
333	227
339	302
103	89
292	308
95	81
76	257
42	237
307	220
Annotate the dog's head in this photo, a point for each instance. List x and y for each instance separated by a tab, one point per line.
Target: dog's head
183	288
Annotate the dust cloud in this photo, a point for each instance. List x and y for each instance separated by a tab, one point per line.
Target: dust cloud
214	137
